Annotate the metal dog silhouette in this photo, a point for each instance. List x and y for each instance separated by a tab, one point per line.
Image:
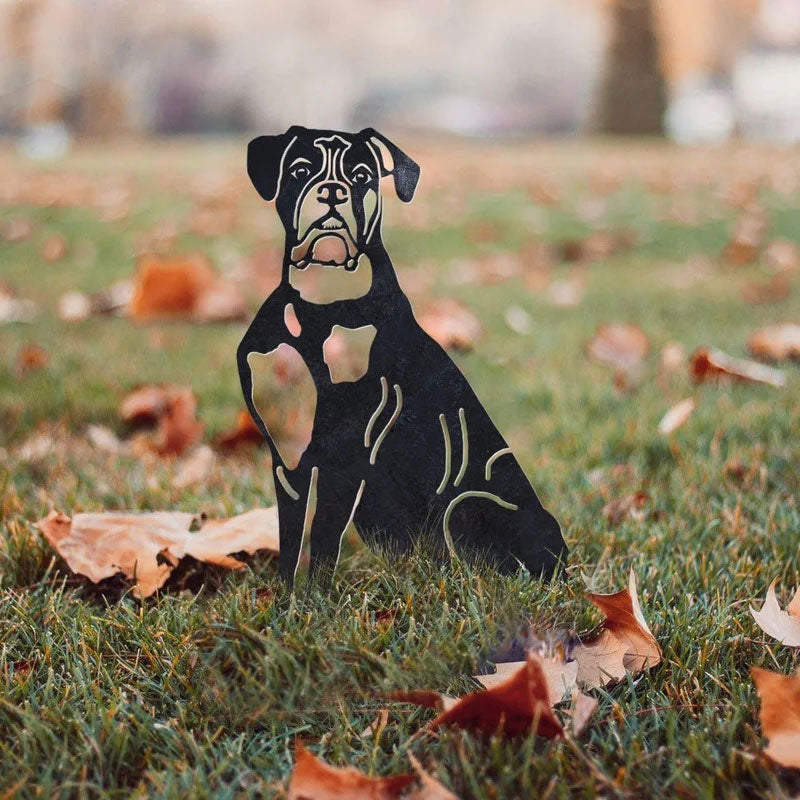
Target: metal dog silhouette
400	444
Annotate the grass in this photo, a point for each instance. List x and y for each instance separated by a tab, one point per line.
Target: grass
202	690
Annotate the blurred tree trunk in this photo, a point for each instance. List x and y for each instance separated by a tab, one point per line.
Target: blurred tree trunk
632	97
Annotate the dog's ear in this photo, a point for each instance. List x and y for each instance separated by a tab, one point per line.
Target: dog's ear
396	163
264	158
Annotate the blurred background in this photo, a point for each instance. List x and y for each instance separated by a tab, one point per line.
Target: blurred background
699	70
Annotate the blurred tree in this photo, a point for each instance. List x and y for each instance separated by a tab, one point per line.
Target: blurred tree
632	96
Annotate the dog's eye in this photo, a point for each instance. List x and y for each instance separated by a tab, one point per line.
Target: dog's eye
361	176
300	172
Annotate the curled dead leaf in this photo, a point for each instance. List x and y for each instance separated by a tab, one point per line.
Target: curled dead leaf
451	325
776	342
632	506
580	711
31	358
708	363
147	546
173	409
622	643
677	416
620	344
313	779
559	675
513	707
780	715
243	433
183	286
773	620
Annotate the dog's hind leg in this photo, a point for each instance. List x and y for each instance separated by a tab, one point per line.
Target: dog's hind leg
336	502
295	495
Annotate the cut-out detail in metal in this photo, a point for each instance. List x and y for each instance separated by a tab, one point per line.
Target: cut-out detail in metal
291	424
492	458
346	352
370	461
447	455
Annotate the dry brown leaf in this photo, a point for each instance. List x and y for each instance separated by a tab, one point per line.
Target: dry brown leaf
622	643
773	290
782	625
581	710
620	344
53	248
708	363
782	255
30	358
147	546
673	356
514	707
451	325
677	416
780	715
430	788
243	433
172	408
776	342
632	506
313	779
194	468
747	237
559	675
183	286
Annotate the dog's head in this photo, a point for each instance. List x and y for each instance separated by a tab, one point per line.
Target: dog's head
326	187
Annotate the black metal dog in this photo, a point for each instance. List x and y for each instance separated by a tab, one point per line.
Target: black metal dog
400	443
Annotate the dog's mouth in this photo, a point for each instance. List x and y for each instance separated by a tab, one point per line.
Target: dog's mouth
328	243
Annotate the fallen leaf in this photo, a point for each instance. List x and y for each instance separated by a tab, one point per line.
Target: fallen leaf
677	416
30	358
183	286
430	788
514	707
15	309
451	325
106	440
313	779
173	409
780	715
559	675
747	237
773	290
427	698
630	506
16	229
74	306
243	433
673	356
566	293
53	248
622	643
708	363
194	468
776	342
581	710
782	625
519	320
147	546
782	255
620	344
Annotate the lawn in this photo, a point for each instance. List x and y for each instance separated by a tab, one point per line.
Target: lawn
203	689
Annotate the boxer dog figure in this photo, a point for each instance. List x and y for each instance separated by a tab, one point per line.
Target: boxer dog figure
400	445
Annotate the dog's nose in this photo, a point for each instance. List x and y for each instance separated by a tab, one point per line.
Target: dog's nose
332	194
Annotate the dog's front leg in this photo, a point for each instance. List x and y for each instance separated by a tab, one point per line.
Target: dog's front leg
295	498
337	501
